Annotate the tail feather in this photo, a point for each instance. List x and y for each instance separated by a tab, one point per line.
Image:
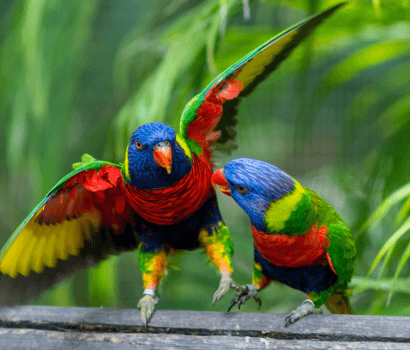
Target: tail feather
339	304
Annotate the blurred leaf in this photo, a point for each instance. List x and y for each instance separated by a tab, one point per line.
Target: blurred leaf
393	82
60	295
390	243
395	117
385	206
371	56
384	284
238	41
386	260
103	283
405	256
403	213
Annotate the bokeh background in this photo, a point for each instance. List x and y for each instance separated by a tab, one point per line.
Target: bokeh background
79	76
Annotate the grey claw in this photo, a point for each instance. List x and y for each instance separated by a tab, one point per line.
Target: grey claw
233	302
243	294
224	287
307	308
147	306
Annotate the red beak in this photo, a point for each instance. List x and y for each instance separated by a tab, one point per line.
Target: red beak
163	157
218	178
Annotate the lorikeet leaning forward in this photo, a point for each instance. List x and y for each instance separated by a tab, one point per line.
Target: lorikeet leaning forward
160	200
299	239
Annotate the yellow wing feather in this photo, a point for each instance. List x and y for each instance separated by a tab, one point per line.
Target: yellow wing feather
37	259
50	258
25	252
258	63
38	246
61	250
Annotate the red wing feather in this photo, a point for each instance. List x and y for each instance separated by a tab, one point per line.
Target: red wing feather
91	191
202	129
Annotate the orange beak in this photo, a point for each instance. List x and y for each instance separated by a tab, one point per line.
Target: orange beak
218	178
163	157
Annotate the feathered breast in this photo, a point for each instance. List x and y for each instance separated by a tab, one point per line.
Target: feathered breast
294	251
167	206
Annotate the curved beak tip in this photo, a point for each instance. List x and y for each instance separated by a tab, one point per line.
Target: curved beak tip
163	158
218	178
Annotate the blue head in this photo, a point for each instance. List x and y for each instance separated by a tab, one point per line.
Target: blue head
154	159
254	185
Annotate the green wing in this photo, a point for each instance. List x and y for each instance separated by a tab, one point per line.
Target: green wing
342	251
205	123
82	220
342	248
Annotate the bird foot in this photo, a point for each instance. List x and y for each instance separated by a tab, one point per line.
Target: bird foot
307	308
147	306
224	287
243	294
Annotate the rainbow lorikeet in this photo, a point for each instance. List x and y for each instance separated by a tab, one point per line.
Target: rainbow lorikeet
299	239
159	200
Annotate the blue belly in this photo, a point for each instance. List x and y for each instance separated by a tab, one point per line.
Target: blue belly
315	278
184	234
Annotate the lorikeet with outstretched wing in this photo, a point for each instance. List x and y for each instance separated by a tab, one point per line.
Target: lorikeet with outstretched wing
299	239
160	200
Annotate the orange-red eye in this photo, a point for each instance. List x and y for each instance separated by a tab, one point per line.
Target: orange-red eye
139	146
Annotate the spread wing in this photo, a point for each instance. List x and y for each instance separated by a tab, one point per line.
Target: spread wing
82	220
209	119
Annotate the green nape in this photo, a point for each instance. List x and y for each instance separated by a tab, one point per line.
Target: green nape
293	214
302	218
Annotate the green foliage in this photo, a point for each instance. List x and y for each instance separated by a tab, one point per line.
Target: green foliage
103	284
80	76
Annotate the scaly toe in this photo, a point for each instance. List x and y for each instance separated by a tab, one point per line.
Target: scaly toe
244	293
224	286
147	307
307	308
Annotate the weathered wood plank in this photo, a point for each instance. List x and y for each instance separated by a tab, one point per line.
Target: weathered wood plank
324	327
36	327
17	339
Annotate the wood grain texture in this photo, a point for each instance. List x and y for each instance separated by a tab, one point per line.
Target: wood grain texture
36	327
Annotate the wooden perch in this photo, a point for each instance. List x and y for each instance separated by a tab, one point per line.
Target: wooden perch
41	327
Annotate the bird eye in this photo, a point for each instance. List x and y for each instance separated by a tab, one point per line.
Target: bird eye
139	146
241	189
